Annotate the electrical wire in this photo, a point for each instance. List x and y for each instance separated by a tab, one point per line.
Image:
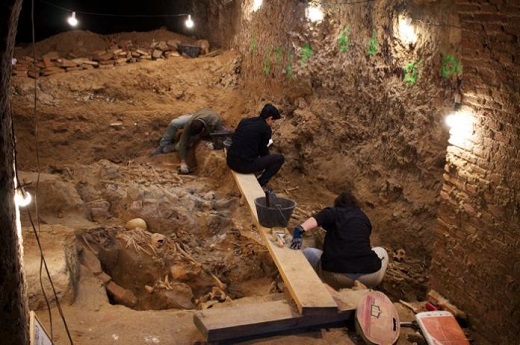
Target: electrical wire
357	2
116	15
38	176
43	262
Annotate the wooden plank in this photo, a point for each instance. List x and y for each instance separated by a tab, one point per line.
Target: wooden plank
347	299
304	285
220	324
38	334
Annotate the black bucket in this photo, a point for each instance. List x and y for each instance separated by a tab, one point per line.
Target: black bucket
277	214
190	50
219	139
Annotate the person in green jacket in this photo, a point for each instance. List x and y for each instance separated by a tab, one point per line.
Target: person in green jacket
195	127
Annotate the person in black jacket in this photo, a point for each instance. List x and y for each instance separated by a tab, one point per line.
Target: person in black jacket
249	152
347	255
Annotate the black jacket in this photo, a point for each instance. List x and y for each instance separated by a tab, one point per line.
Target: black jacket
250	140
347	243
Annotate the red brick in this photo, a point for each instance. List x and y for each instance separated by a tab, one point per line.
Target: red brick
496	211
502	137
488	9
466	18
464	8
489	18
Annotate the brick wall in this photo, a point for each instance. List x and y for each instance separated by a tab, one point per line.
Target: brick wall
476	260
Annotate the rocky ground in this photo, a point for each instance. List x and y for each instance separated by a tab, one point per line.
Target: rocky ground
84	148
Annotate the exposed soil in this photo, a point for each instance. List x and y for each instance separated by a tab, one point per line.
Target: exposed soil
90	137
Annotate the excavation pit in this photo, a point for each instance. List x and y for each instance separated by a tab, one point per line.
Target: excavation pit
150	271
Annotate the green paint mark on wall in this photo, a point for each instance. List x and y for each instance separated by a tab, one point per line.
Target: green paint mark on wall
306	53
450	66
411	73
267	62
372	44
253	46
343	40
289	66
278	52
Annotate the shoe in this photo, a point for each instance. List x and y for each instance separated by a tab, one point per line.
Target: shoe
183	172
169	148
156	151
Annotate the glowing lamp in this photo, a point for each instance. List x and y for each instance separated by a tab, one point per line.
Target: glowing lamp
189	22
461	127
314	13
72	20
256	5
22	198
406	30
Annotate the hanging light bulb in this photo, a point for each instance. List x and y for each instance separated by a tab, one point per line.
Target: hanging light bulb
406	30
189	23
72	20
314	13
461	127
256	5
22	198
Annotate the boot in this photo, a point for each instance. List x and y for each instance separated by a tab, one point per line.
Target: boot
169	148
156	151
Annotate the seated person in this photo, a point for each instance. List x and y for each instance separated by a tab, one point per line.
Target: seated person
195	127
347	255
249	152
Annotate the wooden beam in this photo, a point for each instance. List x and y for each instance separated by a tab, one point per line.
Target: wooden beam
220	324
304	285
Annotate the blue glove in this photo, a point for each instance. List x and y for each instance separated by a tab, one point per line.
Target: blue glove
297	237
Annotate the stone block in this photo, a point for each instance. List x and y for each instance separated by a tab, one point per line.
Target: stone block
121	295
91	261
105	278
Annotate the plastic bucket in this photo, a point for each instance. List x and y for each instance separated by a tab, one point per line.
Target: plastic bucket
219	139
277	214
190	50
227	143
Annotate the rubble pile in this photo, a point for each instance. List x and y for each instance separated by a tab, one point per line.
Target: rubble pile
52	63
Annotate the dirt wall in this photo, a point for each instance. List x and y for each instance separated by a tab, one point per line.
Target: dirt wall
358	114
374	108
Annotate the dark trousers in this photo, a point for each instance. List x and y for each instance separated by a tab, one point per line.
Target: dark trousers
269	164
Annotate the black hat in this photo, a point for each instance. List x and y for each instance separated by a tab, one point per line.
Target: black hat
270	110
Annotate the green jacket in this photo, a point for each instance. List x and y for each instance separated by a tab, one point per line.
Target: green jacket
212	123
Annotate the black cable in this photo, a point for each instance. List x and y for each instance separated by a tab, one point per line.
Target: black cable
58	305
357	2
43	262
116	15
38	179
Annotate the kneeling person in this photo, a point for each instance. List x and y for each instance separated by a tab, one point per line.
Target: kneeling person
195	127
347	255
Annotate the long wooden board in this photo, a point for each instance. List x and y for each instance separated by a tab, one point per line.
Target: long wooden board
304	285
220	324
